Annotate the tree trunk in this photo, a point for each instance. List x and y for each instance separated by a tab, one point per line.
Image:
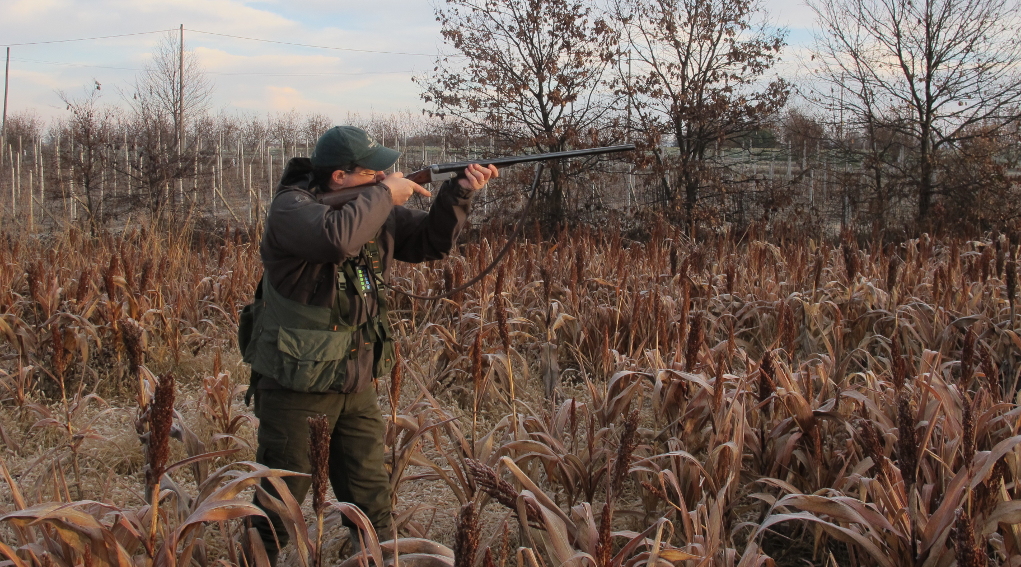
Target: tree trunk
926	183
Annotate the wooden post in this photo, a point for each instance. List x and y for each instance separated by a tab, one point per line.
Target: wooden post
7	76
42	175
31	205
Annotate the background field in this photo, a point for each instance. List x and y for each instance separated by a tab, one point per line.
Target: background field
614	398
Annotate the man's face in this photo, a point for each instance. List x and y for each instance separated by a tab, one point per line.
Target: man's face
360	176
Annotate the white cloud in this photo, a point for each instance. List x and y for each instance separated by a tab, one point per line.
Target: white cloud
283	99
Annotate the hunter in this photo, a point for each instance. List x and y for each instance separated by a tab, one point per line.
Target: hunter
318	333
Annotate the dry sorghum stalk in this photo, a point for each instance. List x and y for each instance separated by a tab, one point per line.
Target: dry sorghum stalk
448	279
161	419
939	278
968	357
59	360
1000	255
36	275
108	277
129	269
967	551
319	456
720	383
871	443
850	261
892	270
466	540
606	358
695	335
458	275
817	272
898	366
682	320
578	274
789	331
767	381
731	276
604	545
132	338
497	488
907	440
985	262
1011	283
628	444
987	494
547	283
146	278
84	283
476	368
968	432
991	372
697	259
501	312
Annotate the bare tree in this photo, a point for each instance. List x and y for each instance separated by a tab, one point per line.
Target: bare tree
928	71
89	130
157	109
530	74
695	75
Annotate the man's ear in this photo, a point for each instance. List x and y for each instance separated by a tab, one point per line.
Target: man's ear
337	177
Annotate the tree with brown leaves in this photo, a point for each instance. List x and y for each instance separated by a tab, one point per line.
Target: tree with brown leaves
531	76
695	76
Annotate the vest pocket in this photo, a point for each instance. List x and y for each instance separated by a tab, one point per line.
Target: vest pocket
384	358
312	360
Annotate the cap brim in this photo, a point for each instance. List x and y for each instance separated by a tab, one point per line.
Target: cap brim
381	158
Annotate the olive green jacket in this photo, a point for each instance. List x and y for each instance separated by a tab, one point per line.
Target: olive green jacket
299	333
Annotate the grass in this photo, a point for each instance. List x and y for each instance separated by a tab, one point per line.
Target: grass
599	400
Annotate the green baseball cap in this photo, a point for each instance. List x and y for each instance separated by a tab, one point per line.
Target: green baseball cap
347	146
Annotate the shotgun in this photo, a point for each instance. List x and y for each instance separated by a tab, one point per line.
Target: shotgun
453	170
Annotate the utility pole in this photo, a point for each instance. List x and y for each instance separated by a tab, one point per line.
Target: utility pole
7	76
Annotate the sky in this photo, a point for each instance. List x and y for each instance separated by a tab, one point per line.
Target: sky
397	39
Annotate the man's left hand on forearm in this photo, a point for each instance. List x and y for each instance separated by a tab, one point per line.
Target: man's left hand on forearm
476	176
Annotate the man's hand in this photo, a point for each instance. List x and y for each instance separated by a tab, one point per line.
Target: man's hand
402	189
476	176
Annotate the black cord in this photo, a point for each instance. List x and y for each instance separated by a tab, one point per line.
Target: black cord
499	257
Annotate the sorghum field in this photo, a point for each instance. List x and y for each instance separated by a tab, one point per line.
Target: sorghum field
598	401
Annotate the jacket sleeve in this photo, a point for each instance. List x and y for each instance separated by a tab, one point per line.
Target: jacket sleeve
421	236
300	226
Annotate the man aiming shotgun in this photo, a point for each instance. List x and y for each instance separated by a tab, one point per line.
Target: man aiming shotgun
318	333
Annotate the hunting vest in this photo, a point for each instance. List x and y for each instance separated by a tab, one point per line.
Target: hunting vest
307	348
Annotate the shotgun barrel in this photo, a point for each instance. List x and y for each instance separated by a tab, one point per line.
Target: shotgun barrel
444	171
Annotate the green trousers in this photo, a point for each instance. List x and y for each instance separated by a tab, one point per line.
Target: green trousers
356	452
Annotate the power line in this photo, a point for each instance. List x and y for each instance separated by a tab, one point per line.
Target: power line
20	60
88	38
311	74
312	46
